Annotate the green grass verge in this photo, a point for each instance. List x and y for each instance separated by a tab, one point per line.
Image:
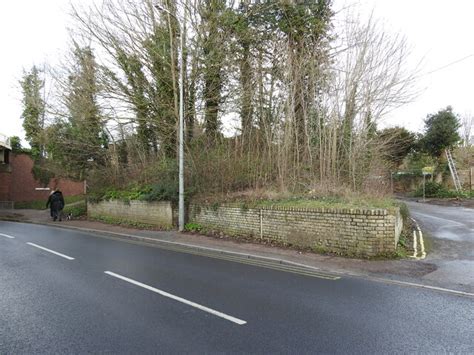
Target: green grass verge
128	223
320	202
77	210
30	205
41	205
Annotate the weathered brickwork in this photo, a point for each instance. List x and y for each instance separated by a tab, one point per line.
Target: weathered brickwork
17	182
348	231
5	183
155	213
358	232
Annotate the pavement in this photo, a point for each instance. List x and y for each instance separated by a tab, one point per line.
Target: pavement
407	271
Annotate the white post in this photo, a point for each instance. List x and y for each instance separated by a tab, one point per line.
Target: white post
181	119
181	131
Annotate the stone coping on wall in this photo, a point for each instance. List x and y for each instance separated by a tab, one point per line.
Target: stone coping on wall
332	210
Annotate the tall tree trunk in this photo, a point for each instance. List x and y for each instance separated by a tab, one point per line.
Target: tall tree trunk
213	63
190	101
246	110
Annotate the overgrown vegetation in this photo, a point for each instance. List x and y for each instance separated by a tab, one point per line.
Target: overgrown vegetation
276	97
17	148
77	210
433	189
437	190
193	227
155	192
428	154
31	205
271	100
403	247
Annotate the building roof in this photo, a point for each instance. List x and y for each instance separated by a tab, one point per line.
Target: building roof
5	141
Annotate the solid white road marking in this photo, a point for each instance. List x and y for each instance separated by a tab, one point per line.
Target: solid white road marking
51	251
412	284
7	236
179	299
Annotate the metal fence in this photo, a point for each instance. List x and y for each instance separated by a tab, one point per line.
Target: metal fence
6	205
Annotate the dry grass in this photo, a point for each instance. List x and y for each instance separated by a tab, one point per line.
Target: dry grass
319	197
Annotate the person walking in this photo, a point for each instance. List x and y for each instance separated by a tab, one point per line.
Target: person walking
56	203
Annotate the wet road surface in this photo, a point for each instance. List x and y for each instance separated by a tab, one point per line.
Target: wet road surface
449	232
69	292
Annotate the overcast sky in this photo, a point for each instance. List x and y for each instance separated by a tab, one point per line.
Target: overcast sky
440	32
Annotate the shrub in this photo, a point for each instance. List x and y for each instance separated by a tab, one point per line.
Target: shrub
157	192
193	227
434	189
30	205
77	210
404	211
162	192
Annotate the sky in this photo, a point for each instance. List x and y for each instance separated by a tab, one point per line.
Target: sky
439	32
441	35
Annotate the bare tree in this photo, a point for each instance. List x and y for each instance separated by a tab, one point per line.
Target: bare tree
307	98
467	124
139	64
371	77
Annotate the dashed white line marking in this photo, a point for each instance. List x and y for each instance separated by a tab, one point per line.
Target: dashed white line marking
7	236
179	299
51	251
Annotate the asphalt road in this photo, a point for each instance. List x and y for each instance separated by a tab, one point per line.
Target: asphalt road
449	232
160	301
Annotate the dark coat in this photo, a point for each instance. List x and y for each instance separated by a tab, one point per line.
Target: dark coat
56	201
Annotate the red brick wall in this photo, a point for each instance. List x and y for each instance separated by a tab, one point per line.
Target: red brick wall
5	184
23	183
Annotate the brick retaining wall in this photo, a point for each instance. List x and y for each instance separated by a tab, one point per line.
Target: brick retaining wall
358	232
156	213
18	184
